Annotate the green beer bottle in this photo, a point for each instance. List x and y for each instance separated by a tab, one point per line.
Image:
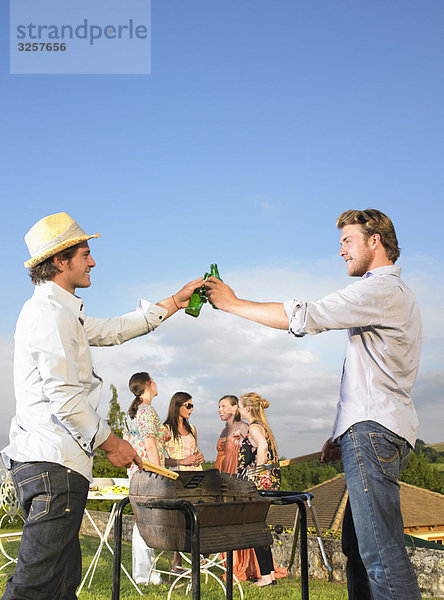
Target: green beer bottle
199	296
214	272
197	300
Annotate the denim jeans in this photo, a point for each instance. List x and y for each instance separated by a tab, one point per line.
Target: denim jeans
378	566
49	564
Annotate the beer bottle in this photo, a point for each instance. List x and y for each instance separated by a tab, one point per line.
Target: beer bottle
197	300
199	296
214	271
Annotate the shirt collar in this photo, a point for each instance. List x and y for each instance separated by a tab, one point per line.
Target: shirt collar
51	290
387	270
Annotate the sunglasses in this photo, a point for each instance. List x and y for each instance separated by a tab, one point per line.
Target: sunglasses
188	406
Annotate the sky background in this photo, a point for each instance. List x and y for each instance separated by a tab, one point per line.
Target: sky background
260	123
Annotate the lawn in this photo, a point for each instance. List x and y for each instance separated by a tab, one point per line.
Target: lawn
101	587
102	583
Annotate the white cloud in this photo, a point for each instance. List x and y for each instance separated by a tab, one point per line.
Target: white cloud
218	354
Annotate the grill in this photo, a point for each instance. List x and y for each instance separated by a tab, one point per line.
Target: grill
204	512
230	509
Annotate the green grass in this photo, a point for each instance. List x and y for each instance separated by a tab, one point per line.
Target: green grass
101	587
102	583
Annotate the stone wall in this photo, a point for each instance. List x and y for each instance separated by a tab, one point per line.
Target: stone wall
101	519
428	564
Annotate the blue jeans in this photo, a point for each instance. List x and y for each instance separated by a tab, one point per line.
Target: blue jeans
49	564
378	566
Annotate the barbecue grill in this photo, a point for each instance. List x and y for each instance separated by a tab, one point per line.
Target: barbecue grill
203	512
231	511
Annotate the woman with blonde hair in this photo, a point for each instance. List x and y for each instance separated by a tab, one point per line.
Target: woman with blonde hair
258	449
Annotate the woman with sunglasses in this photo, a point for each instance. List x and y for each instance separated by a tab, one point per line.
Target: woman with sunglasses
182	449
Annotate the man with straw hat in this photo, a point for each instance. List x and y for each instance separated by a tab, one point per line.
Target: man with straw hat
56	427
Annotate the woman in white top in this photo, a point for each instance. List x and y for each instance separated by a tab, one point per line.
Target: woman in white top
182	449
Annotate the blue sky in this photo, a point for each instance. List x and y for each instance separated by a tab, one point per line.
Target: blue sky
259	124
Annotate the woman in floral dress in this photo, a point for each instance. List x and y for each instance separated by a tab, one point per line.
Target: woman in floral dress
148	436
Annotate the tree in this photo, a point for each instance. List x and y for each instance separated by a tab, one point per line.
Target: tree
431	454
116	420
303	476
420	472
116	417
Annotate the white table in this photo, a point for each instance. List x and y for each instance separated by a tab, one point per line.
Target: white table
106	494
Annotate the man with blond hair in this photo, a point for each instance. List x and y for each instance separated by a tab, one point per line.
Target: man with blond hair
57	427
376	423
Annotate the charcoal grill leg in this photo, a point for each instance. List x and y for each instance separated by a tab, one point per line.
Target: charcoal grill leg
304	549
229	576
195	555
117	558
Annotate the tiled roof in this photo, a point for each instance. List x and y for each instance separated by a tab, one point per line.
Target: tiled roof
328	502
419	507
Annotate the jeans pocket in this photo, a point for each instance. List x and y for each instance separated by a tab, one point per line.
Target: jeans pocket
387	449
38	490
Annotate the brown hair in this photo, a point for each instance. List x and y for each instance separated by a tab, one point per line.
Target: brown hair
234	401
373	221
172	419
137	385
46	270
257	405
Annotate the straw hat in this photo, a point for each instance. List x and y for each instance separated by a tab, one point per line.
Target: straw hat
51	235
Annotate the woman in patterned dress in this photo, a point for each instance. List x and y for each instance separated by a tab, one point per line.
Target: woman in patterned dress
182	450
147	434
259	448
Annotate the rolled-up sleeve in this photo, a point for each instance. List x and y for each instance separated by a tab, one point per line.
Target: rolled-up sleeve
360	304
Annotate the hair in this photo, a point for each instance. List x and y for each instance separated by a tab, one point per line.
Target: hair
47	269
137	385
234	401
373	221
257	405
172	419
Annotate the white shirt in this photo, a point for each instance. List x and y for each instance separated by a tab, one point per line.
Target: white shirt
384	341
56	386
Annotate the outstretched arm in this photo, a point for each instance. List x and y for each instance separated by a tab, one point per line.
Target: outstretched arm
271	314
181	298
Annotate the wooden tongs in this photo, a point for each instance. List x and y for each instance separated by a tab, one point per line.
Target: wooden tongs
149	466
